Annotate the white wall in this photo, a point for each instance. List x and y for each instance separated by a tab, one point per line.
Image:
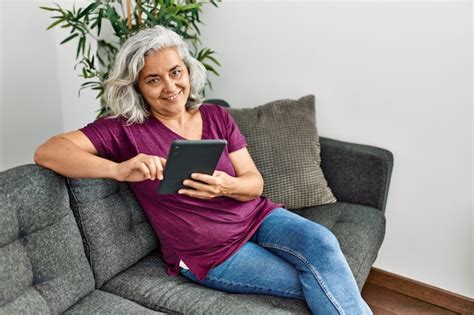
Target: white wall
391	74
30	99
40	89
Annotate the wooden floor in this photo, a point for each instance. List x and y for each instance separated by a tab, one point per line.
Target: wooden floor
383	301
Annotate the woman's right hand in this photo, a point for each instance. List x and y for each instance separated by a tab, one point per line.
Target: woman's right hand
140	168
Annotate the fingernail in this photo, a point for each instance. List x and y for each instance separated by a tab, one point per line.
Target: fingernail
193	175
180	191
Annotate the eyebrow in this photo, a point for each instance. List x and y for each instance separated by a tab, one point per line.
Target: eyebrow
157	75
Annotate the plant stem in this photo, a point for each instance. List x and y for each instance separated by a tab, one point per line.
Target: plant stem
139	13
154	12
129	14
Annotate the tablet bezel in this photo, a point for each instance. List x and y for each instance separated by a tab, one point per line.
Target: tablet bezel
186	157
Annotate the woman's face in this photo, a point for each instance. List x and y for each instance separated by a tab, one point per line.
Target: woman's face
164	82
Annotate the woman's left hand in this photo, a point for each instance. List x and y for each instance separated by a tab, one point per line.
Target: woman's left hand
207	186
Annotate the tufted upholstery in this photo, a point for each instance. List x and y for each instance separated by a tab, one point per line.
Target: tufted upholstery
115	230
100	302
43	268
359	230
147	284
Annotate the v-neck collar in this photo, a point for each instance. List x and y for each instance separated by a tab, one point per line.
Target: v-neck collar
203	130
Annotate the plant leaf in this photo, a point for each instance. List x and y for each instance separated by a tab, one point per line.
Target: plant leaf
50	9
54	24
69	38
214	60
210	68
99	20
80	46
89	8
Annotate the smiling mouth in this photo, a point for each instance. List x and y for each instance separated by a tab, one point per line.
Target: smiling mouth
173	97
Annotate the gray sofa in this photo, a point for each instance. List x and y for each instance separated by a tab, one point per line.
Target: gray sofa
85	247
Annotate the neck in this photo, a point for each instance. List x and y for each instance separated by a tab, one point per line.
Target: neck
178	120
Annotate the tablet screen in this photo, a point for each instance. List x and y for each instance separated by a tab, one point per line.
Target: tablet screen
186	157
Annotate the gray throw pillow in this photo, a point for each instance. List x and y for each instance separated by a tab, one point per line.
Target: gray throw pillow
283	141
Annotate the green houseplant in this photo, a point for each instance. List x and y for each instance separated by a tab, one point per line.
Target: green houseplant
95	53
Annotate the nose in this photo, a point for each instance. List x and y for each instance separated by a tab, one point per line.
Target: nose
169	85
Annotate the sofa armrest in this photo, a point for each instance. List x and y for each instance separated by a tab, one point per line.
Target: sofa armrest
357	173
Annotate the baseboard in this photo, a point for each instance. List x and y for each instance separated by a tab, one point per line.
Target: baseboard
421	291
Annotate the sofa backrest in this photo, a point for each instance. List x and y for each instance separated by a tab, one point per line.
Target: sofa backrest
115	230
43	267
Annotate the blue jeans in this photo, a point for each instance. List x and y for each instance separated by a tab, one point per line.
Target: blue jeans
292	257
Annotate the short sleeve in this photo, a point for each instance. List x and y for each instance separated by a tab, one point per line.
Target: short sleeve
108	137
235	139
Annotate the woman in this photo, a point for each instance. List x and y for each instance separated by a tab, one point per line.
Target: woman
218	231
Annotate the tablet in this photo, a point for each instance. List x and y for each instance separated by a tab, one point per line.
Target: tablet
186	157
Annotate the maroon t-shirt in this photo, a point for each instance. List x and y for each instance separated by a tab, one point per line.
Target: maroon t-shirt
202	233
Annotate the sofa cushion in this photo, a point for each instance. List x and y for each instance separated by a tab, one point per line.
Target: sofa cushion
43	267
147	284
283	141
359	229
101	302
116	233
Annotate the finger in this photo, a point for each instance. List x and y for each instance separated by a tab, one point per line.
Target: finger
159	168
204	178
144	169
163	161
150	163
195	193
199	186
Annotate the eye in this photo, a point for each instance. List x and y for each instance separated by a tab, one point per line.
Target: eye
176	73
154	81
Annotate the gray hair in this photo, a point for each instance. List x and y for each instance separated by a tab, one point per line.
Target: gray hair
121	88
